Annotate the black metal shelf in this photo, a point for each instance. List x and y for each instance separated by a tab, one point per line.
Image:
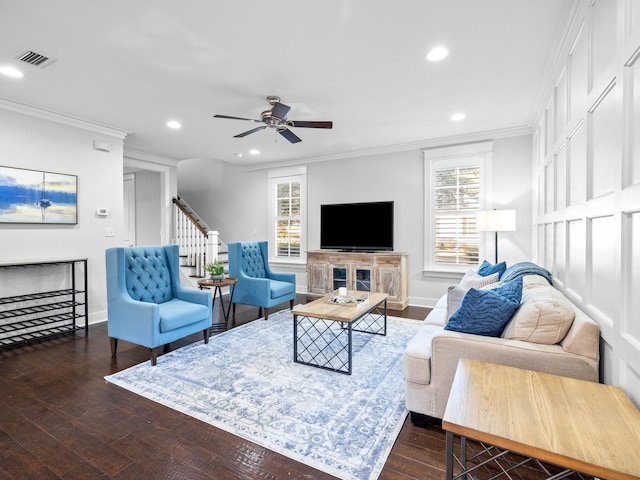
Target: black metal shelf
46	314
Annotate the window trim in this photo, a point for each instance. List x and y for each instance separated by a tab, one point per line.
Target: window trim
482	154
296	174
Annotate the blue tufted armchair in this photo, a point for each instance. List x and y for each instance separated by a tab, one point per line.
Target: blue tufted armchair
257	284
146	303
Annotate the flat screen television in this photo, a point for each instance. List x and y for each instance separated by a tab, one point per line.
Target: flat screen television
357	226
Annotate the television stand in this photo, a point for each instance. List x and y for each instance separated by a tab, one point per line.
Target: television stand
384	272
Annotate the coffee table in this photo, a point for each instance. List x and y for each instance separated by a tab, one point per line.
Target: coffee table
577	425
323	331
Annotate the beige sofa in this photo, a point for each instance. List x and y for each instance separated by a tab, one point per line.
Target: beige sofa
431	357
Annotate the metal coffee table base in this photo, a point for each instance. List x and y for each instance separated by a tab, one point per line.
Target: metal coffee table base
328	344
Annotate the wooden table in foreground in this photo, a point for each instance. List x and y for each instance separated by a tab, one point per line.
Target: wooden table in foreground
322	331
577	425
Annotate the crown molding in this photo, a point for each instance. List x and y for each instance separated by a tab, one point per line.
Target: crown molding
38	112
132	156
396	148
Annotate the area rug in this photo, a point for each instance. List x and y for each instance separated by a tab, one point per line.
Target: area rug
245	382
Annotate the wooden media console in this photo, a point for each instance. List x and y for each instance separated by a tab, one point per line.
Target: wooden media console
383	272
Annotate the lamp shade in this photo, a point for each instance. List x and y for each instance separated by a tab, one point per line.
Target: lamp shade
496	221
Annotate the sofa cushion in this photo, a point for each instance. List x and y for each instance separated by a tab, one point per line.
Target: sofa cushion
486	312
473	279
437	316
486	268
541	318
455	295
583	337
534	281
178	313
278	288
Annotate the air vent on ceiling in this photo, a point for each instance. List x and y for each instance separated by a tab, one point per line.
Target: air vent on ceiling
33	58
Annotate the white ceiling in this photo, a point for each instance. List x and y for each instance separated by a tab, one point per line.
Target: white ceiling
134	65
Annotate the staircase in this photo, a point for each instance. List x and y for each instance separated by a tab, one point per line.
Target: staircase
199	245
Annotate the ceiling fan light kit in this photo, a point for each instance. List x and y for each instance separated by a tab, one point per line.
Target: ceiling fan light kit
276	118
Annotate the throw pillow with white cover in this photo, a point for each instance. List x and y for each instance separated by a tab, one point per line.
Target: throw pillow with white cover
473	279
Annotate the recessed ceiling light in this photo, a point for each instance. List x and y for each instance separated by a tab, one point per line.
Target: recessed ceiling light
174	124
437	53
254	152
456	117
238	154
11	72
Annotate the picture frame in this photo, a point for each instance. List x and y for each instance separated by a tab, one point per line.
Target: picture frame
38	196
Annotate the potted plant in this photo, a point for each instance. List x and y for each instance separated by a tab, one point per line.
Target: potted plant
216	270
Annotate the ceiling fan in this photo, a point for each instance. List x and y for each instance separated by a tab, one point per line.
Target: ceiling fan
276	118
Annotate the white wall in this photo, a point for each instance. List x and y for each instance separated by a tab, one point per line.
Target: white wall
42	144
148	208
587	179
233	201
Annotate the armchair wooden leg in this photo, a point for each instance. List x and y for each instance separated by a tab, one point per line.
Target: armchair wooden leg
259	312
291	304
154	355
205	332
114	346
266	313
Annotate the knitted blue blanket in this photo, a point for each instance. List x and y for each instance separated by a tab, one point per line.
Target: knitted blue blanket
521	269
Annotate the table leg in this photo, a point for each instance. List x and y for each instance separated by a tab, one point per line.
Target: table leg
350	367
217	327
295	338
385	317
449	456
232	289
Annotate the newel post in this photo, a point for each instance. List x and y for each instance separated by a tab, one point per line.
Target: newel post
212	246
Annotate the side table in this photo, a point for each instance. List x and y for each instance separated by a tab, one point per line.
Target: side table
217	291
577	425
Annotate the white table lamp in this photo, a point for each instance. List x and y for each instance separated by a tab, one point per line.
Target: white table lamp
496	221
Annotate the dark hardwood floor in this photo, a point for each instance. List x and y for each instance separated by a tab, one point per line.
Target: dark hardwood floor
59	418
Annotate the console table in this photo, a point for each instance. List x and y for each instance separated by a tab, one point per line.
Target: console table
577	425
38	315
383	272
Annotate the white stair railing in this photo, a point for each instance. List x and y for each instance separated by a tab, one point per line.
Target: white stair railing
197	243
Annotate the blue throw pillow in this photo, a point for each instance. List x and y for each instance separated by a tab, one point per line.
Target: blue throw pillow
487	312
487	268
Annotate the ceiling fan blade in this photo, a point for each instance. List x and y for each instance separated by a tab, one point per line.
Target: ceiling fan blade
298	123
249	132
280	110
289	135
236	118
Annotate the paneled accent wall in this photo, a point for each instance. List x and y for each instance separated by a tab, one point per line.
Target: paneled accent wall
587	178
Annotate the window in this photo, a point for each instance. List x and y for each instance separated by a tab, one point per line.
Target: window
455	190
457	199
286	215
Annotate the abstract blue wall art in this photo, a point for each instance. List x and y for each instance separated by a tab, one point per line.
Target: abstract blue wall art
33	196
